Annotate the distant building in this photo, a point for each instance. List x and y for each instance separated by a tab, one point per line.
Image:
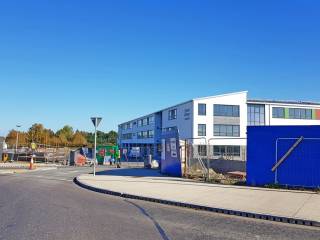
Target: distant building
219	120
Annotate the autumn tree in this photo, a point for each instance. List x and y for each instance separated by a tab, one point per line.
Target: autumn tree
78	139
63	137
11	138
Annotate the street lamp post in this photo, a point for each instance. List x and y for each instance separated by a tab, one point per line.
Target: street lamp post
96	121
17	140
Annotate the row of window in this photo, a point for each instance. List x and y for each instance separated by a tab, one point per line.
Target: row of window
220	110
141	122
168	129
140	135
256	114
220	150
220	130
145	134
293	113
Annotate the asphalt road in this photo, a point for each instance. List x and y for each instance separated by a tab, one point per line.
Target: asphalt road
48	205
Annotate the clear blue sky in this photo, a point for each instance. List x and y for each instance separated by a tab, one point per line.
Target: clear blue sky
64	61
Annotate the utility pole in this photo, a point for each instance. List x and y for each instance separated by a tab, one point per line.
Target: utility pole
96	121
17	140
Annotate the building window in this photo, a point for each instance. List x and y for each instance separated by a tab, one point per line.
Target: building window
300	113
226	130
278	112
168	129
202	150
256	115
202	109
172	114
139	135
145	134
127	136
226	110
222	151
150	134
150	120
145	122
139	122
201	129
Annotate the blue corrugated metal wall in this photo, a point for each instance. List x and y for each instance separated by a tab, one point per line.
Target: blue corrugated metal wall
301	168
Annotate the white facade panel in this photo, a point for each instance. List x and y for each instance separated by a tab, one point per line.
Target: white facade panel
239	99
183	120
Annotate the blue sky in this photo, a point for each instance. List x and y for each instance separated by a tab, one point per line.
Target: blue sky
64	61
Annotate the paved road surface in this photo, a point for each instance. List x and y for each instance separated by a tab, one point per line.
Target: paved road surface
48	205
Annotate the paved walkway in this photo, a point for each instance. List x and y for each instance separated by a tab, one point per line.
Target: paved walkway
151	184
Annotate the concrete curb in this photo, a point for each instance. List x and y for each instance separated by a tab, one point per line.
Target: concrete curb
203	208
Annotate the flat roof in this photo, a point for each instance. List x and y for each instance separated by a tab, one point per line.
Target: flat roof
282	102
262	101
176	105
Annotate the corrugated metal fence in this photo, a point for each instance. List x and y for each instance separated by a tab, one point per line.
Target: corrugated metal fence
285	155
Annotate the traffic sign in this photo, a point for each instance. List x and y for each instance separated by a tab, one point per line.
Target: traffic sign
96	121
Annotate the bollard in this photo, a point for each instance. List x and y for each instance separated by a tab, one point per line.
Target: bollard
31	167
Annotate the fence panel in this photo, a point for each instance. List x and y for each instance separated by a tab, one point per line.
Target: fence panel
302	167
200	157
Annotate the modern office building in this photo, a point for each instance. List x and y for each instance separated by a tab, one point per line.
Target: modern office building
220	121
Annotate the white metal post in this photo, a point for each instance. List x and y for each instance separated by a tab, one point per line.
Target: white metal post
95	150
96	121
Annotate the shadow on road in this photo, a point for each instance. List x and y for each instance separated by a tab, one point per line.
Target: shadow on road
156	224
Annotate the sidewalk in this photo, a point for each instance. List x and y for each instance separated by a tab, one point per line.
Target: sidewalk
272	204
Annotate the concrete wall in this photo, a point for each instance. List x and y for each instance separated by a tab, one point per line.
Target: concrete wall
224	166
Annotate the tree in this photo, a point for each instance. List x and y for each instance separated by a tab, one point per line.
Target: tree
35	133
11	138
113	137
78	139
63	137
67	131
63	140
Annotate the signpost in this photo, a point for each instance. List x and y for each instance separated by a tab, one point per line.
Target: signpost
96	121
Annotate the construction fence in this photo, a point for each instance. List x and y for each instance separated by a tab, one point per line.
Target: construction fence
43	154
213	162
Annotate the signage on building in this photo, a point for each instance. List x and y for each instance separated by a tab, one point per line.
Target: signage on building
187	114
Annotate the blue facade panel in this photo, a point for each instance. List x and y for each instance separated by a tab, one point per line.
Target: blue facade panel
301	168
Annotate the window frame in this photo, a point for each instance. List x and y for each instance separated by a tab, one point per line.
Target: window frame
276	112
226	130
202	111
172	116
202	132
222	110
